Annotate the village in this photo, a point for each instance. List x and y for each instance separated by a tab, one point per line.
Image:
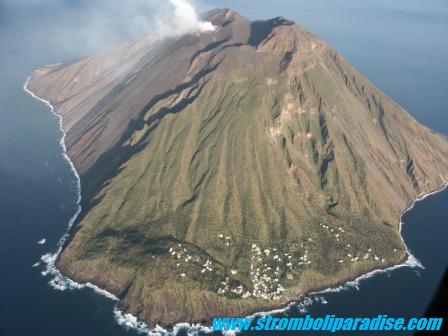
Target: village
353	255
268	266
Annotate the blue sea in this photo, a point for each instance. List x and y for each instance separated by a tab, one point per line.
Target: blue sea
400	45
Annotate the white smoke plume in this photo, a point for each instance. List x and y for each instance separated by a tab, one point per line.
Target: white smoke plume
185	20
85	27
170	19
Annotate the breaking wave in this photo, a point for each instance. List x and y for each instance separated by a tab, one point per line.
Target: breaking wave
59	281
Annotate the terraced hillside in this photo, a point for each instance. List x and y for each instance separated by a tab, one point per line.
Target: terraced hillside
235	170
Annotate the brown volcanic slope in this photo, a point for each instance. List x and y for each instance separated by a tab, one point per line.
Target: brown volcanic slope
235	170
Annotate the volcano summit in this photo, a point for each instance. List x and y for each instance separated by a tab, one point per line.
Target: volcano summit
233	171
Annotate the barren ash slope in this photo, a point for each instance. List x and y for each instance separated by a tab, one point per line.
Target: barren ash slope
235	170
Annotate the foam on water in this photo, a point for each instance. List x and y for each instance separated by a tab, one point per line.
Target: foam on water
190	329
128	321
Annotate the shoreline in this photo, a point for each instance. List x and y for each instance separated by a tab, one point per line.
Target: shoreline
59	281
410	261
128	321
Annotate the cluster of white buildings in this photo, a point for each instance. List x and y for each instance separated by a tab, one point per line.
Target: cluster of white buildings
304	259
265	266
335	232
183	257
227	240
265	272
238	290
207	267
352	256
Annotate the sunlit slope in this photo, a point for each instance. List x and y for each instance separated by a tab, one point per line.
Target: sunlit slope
255	164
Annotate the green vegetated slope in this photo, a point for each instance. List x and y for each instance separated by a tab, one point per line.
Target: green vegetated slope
236	170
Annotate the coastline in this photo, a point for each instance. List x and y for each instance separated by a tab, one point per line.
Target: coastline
61	282
410	261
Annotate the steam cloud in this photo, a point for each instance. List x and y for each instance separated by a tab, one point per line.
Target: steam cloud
88	27
185	20
176	19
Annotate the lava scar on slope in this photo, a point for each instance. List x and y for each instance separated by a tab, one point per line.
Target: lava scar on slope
235	170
